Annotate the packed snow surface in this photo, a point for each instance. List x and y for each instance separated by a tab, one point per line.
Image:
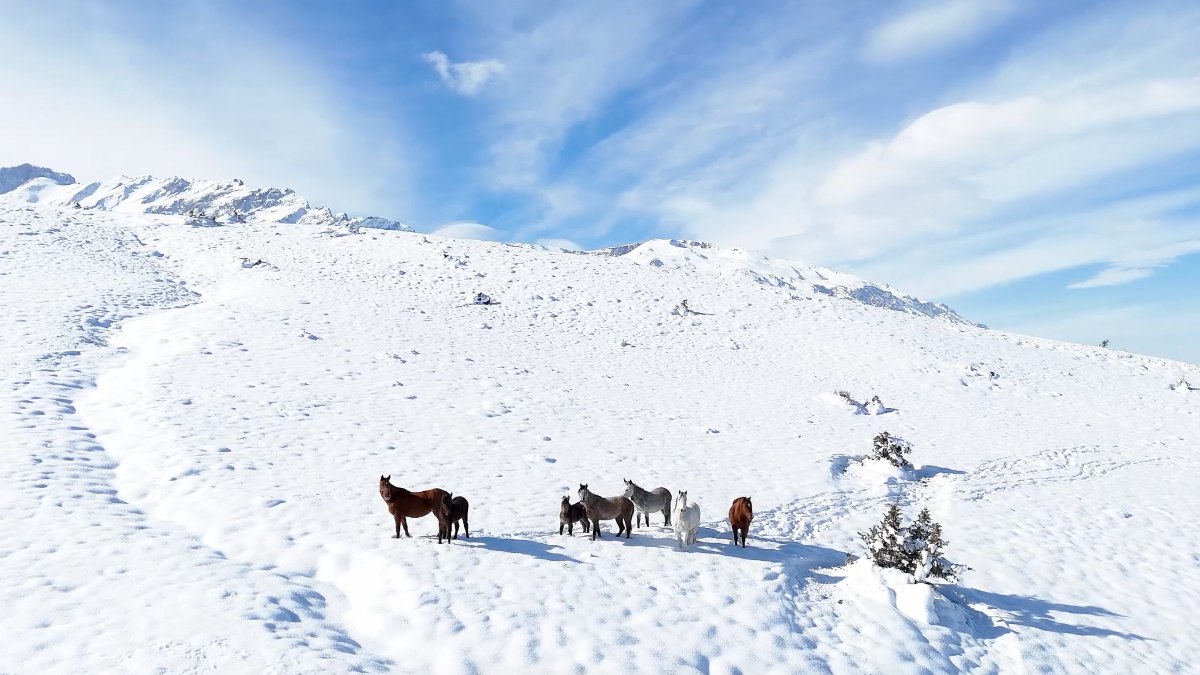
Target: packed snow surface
196	419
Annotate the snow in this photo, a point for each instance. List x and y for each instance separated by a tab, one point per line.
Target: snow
12	177
176	196
194	444
806	281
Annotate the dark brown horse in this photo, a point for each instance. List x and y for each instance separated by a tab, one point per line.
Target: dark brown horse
600	508
403	505
740	515
452	510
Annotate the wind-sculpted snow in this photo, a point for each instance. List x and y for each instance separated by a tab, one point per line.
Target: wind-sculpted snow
196	418
221	202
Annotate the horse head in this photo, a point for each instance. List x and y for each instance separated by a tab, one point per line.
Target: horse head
583	492
445	506
385	487
629	488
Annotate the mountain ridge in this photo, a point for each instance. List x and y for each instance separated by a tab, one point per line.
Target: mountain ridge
207	200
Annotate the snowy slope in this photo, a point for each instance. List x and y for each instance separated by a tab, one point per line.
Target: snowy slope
194	444
738	264
225	201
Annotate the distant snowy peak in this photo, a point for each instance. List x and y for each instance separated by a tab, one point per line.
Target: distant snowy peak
228	201
705	258
13	177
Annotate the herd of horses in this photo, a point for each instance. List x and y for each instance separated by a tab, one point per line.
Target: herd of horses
588	511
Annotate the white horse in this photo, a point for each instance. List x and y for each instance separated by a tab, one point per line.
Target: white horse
687	520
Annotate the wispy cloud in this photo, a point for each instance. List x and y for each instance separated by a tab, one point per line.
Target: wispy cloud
932	27
468	230
1138	264
998	183
100	90
465	78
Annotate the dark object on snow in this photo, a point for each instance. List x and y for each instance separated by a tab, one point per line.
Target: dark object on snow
1104	344
484	299
75	205
452	510
569	514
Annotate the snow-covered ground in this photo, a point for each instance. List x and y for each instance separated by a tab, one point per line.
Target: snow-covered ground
193	444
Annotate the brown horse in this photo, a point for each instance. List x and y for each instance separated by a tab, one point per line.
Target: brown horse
452	510
403	505
740	515
600	508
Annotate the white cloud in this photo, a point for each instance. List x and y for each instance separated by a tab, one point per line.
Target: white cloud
1138	264
932	27
563	65
1114	276
1001	183
465	78
565	244
99	92
469	230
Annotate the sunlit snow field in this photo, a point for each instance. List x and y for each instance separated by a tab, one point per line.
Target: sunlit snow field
193	444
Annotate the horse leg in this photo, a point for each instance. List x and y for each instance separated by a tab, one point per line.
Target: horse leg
629	525
667	514
456	529
560	527
596	529
397	528
404	522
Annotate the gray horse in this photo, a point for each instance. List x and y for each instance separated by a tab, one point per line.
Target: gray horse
600	508
657	500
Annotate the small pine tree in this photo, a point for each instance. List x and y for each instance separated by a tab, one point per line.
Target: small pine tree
915	550
1104	344
885	541
923	544
892	449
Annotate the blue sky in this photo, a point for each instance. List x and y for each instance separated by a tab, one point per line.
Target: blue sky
1035	165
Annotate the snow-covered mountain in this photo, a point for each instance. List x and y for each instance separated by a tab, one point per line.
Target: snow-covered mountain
215	201
806	280
195	421
13	177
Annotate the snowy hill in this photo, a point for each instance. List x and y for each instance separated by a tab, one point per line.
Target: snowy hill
13	177
196	419
210	201
704	258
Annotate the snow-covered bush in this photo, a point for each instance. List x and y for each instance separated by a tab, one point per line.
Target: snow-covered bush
875	406
1182	386
891	449
916	549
